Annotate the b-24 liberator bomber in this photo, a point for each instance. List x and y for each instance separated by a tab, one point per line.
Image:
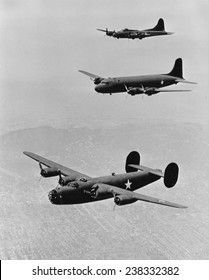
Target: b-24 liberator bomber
144	84
75	187
127	33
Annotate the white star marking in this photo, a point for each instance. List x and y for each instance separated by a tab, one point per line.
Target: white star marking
162	82
128	185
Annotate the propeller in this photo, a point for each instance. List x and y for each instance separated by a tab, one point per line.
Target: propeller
93	191
108	32
39	180
61	181
40	166
42	170
114	207
133	90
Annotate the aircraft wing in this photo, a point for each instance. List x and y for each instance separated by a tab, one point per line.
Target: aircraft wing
63	170
92	76
129	194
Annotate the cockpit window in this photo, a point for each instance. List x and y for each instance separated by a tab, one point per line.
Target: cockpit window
83	179
73	185
104	82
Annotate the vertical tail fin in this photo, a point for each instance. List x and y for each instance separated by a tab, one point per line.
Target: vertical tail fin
171	175
160	25
132	158
177	69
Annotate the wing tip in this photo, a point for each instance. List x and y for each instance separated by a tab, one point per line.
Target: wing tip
180	206
29	154
84	72
183	207
99	29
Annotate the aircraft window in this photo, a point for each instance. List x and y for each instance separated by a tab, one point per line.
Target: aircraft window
106	83
73	185
83	179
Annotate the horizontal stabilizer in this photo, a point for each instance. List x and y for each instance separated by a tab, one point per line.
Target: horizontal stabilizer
147	169
173	90
184	81
170	175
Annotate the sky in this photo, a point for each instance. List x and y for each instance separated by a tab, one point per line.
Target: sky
43	44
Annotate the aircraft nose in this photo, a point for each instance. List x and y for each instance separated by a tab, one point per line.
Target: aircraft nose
98	88
53	197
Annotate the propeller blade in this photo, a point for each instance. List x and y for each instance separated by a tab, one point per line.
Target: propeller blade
126	87
60	181
114	207
40	166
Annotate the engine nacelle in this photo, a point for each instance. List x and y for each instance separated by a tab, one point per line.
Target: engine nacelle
110	33
97	80
49	172
124	199
99	190
63	181
151	91
134	91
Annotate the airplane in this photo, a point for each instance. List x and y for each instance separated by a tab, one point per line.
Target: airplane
76	188
135	85
158	30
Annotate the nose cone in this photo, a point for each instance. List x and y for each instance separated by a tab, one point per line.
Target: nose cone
53	197
101	88
98	88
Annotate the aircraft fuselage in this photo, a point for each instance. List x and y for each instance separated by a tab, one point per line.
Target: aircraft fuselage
80	191
120	84
136	34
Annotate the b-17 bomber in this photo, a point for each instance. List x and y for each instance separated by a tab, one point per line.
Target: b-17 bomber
143	84
75	187
127	33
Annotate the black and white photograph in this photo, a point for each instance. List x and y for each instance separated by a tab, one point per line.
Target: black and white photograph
104	130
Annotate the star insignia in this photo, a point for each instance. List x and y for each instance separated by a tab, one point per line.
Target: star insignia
162	82
128	185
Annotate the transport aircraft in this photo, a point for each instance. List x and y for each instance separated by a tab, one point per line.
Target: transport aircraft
135	85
